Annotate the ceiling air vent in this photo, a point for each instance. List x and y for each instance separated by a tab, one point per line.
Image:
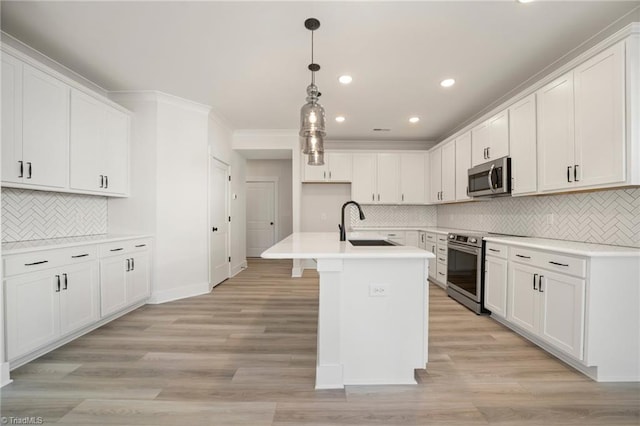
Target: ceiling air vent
381	130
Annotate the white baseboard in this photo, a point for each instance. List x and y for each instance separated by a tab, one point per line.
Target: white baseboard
178	293
4	374
296	272
236	269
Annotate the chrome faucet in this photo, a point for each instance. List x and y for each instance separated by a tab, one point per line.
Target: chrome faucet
343	231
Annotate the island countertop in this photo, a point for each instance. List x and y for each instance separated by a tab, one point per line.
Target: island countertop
327	245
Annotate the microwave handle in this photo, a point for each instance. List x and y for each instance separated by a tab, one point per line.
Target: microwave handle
493	166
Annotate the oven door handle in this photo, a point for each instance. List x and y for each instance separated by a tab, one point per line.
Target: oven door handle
469	250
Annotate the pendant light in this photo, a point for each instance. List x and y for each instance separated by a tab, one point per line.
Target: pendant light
312	116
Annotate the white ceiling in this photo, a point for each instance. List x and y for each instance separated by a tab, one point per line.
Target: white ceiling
248	60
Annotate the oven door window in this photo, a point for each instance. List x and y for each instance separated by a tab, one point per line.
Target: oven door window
462	272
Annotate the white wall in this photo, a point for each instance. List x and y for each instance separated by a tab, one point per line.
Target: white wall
168	199
282	170
322	206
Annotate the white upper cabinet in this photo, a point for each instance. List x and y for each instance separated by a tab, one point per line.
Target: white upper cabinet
442	167
581	125
363	186
522	138
435	172
412	178
462	166
599	119
35	111
449	172
58	138
337	168
490	140
388	178
98	146
555	134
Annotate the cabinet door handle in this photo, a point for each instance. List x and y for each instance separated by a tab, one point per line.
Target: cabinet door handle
101	181
30	170
36	263
488	153
559	264
66	283
329	174
575	172
128	265
141	245
569	174
214	229
21	169
378	197
58	284
106	181
522	256
133	264
80	255
402	197
373	197
324	175
534	281
540	284
116	249
494	250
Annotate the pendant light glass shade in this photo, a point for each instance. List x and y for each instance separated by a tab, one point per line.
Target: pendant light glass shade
316	158
312	143
312	116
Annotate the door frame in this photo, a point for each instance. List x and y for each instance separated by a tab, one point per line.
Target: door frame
227	207
276	181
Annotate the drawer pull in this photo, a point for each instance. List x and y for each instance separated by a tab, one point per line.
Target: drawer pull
36	263
118	249
559	264
540	284
441	273
534	281
80	255
522	256
442	260
497	251
66	282
141	245
128	265
58	284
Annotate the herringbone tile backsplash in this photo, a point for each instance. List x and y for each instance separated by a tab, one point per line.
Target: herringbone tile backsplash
402	216
36	215
606	217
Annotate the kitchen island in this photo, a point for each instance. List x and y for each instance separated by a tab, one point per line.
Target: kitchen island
372	310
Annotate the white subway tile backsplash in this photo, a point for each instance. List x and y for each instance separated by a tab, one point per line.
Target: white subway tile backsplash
36	215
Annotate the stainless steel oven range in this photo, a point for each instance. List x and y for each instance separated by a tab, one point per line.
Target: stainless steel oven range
465	270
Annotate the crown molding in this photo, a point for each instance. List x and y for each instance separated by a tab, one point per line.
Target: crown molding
159	97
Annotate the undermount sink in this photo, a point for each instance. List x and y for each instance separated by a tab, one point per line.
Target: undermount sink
372	243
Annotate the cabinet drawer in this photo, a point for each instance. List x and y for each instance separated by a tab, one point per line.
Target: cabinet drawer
442	238
552	261
441	258
497	250
441	250
123	247
441	273
45	259
431	237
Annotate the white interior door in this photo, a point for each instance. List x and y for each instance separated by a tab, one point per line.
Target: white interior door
219	232
261	232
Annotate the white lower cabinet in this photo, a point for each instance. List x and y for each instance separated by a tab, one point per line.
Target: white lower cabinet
124	275
55	295
495	285
46	305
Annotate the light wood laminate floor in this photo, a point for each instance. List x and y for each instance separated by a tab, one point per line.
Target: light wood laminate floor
245	355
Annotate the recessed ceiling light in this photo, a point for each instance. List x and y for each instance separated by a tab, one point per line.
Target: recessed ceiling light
447	82
340	119
345	79
414	119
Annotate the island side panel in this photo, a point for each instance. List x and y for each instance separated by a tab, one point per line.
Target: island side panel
383	320
329	369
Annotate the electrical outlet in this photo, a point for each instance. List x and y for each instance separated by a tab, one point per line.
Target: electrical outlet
378	290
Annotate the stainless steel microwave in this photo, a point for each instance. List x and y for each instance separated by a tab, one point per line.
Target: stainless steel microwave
490	179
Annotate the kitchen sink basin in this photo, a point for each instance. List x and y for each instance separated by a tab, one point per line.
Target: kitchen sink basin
372	243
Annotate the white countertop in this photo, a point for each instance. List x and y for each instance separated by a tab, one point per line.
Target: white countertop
568	247
55	243
327	245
